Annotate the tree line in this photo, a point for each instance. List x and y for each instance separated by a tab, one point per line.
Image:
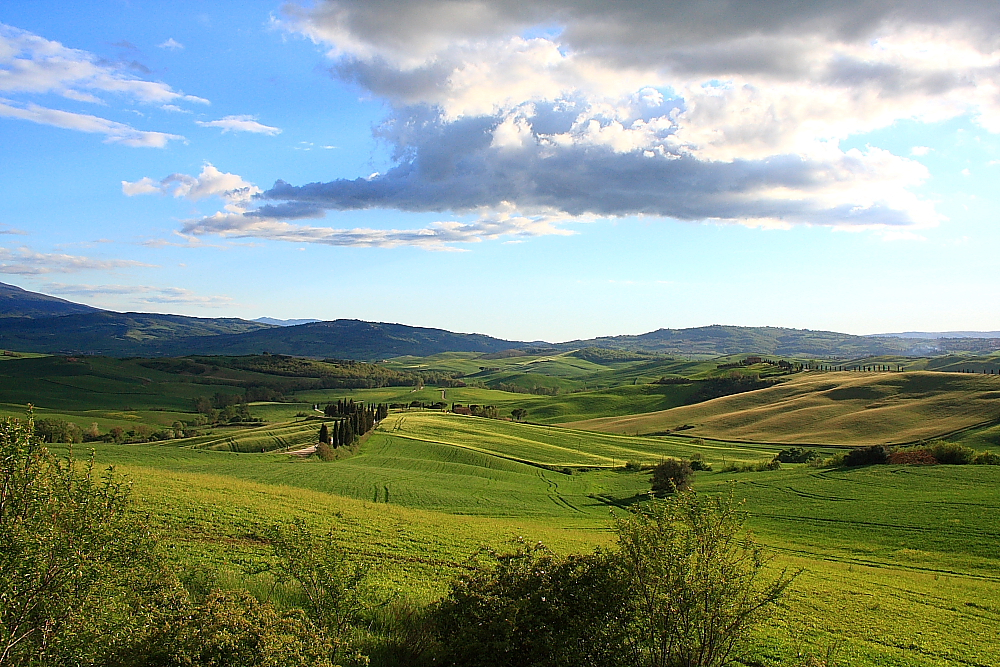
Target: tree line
353	420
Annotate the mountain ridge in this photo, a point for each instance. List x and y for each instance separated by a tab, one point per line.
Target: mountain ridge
42	324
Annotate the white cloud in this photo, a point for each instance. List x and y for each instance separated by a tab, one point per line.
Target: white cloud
26	262
141	294
171	44
115	133
31	65
719	111
210	182
437	236
240	124
919	151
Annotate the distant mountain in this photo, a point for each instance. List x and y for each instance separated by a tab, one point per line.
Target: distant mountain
115	334
31	322
349	339
283	323
718	340
940	334
17	302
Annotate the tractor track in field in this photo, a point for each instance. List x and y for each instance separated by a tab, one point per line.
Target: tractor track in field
882	565
557	497
876	524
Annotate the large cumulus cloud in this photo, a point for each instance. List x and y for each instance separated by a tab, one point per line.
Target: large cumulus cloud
712	110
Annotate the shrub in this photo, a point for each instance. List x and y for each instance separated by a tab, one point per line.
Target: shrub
65	535
698	587
233	629
671	475
951	453
325	452
986	459
758	466
866	456
797	455
912	457
532	607
698	462
329	582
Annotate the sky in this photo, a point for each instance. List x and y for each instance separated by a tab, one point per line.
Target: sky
546	171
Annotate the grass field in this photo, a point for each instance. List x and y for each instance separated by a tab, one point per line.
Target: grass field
831	408
900	563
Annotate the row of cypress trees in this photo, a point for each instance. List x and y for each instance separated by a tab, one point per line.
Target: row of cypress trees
357	419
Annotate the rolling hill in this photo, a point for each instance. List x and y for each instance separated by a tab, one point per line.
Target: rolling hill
830	408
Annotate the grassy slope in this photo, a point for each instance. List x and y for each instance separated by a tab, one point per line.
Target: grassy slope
833	408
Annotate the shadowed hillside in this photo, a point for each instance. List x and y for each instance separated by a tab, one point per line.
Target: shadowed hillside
17	302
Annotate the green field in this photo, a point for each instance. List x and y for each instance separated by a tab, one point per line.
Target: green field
899	563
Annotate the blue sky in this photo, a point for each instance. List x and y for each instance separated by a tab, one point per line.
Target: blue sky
554	171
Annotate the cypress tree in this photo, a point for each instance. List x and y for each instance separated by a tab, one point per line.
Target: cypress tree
324	434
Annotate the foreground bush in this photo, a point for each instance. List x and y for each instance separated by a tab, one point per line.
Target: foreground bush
532	607
65	534
233	629
81	583
698	585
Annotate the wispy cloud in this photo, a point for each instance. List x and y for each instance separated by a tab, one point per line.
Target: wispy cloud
4	229
240	124
26	262
31	65
437	236
114	132
171	44
141	294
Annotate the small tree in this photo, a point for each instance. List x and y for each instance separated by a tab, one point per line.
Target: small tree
671	475
324	434
518	414
330	583
698	585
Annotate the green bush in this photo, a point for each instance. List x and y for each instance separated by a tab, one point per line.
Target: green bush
671	475
698	462
866	456
756	466
986	459
697	584
951	453
65	535
797	455
233	629
532	607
